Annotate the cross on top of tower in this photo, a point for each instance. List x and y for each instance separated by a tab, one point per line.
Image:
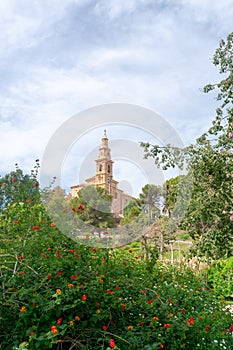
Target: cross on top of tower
105	133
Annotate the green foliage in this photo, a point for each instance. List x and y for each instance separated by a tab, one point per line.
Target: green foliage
17	187
93	206
209	161
220	275
147	206
58	294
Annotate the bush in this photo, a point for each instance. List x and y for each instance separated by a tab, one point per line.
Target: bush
58	294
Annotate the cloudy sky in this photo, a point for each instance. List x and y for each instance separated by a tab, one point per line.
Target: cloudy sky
59	58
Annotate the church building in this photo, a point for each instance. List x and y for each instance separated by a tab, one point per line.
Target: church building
104	178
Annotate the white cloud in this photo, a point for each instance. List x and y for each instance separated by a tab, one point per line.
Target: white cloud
58	58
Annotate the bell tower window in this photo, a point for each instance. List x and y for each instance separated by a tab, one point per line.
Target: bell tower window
109	169
100	167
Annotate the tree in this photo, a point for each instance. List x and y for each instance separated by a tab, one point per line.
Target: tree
150	201
209	161
93	206
17	187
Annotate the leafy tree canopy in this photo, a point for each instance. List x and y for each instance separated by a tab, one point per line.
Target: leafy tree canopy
93	206
18	187
209	218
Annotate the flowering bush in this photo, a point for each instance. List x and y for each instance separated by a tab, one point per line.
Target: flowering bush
58	294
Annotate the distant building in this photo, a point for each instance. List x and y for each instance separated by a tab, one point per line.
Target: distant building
104	178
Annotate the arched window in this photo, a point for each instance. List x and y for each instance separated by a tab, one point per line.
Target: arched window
109	168
100	167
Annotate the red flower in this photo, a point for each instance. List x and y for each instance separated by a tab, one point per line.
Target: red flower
49	275
166	325
141	323
94	250
31	333
84	297
59	273
112	343
169	300
117	287
123	306
207	327
77	255
71	250
74	277
35	228
81	207
14	180
59	321
73	209
150	301
182	311
143	291
161	346
109	291
15	222
36	184
104	328
191	321
231	328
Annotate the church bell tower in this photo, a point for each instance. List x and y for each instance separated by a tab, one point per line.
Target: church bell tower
104	165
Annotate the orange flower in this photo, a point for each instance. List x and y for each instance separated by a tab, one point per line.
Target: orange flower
54	329
171	315
70	285
71	323
49	275
155	318
58	291
98	311
52	224
22	309
77	318
161	346
27	201
130	327
166	325
43	255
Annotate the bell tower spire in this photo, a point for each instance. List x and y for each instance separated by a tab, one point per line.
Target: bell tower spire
104	164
